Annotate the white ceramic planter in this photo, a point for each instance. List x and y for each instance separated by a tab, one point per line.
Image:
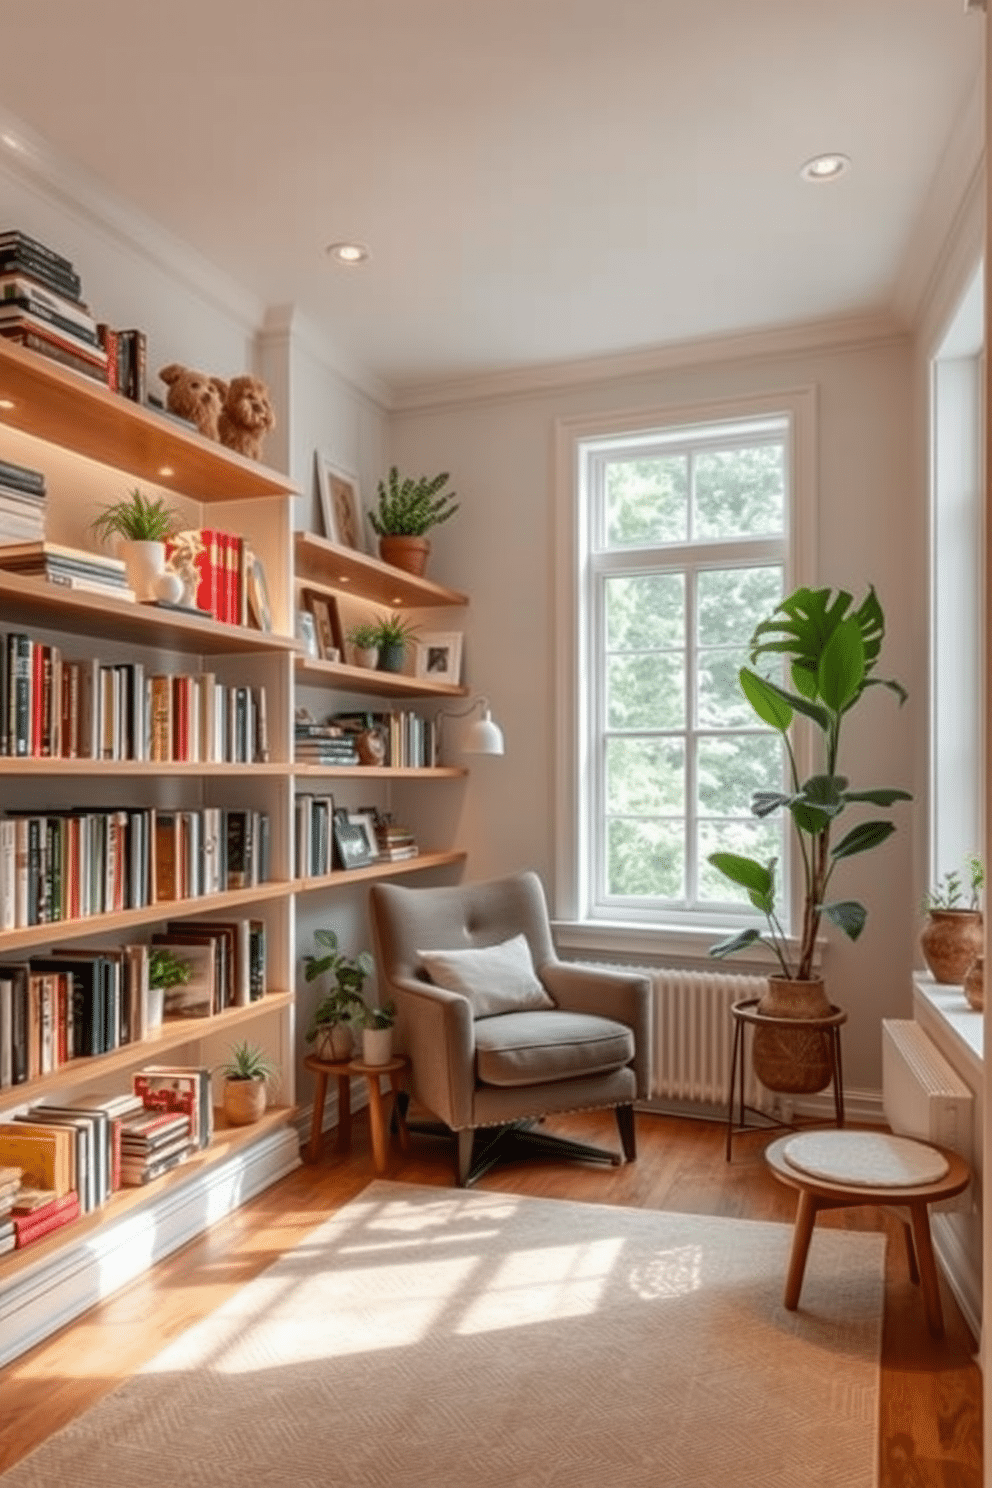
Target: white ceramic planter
145	565
377	1045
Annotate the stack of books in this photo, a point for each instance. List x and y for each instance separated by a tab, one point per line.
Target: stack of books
22	503
396	842
47	1197
152	1143
37	1212
72	568
324	744
182	1089
41	306
10	1182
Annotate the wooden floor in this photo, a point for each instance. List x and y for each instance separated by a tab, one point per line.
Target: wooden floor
931	1430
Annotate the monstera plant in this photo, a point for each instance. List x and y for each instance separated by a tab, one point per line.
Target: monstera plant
830	651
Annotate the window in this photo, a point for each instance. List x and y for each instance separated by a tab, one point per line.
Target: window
684	539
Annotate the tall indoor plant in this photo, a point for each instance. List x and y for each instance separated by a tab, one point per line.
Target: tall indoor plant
831	652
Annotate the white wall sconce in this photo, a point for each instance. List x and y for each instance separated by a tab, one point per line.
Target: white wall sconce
482	735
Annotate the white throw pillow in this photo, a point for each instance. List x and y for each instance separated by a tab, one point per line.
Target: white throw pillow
495	979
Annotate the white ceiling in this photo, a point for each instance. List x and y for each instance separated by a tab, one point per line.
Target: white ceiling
537	180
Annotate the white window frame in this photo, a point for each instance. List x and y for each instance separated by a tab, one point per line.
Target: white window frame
687	933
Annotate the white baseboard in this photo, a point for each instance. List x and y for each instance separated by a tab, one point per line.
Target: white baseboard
957	1263
45	1297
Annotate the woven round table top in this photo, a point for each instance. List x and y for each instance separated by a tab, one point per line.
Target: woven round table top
868	1159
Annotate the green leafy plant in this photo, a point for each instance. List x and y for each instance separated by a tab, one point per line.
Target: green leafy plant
409	507
946	894
248	1062
166	969
343	1003
377	1017
137	518
832	656
365	636
394	630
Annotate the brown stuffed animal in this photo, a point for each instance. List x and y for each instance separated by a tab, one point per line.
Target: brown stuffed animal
194	395
246	417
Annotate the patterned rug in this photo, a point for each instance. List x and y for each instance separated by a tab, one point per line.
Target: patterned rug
437	1338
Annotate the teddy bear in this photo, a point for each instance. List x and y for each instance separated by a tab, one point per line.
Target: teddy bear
246	417
196	396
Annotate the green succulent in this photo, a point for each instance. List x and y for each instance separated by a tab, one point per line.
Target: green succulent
137	518
248	1062
409	508
394	630
946	894
364	636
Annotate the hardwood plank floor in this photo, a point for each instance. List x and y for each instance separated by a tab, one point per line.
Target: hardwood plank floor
930	1419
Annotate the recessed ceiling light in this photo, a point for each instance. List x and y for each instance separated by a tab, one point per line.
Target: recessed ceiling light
7	403
825	167
348	253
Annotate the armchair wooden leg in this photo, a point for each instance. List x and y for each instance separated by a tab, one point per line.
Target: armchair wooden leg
625	1126
466	1141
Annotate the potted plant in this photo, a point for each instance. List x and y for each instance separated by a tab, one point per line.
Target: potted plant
392	636
407	509
165	970
248	1074
377	1033
832	652
341	1008
141	527
364	638
953	934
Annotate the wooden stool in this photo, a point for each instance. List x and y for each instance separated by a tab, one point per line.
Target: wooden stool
343	1070
821	1190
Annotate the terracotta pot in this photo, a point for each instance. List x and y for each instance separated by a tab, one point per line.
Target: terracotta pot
335	1042
974	984
244	1101
408	553
950	940
794	1061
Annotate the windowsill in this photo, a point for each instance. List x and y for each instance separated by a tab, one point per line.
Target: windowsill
948	1008
680	943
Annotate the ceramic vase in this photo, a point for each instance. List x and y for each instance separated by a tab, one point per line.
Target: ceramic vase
950	940
244	1101
377	1045
974	984
144	563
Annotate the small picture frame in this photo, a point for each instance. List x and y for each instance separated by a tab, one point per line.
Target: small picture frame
365	818
259	606
340	505
438	656
327	622
351	842
306	633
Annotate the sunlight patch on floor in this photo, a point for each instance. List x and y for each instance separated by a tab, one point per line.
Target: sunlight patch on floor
671	1273
542	1285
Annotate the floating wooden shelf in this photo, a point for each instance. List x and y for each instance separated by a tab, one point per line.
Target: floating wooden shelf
134	769
381	772
379	869
76	413
365	679
346	571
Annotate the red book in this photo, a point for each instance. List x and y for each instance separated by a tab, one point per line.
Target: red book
208	566
31	1227
223	611
108	340
30	1210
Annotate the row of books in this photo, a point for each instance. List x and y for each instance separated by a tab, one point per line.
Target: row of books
75	1003
330	837
70	568
52	707
23	503
41	308
80	862
231	585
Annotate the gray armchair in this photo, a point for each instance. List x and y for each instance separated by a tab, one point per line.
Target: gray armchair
499	1038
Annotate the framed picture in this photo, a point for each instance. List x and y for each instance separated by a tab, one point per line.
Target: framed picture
439	656
340	505
350	841
365	818
259	607
306	632
327	623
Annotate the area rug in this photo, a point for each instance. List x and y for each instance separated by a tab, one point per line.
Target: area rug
437	1338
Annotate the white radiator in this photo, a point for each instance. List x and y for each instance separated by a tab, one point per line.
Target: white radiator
694	1035
922	1095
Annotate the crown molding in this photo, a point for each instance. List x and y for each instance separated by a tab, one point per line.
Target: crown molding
288	326
27	157
802	338
951	222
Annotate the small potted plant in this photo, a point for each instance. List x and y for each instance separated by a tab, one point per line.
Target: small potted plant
953	934
141	527
365	639
392	636
165	971
248	1075
408	509
341	1008
377	1033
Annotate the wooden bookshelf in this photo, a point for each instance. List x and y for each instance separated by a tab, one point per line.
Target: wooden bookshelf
379	869
345	678
371	773
327	565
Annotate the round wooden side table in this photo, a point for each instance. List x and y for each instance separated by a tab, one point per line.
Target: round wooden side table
745	1014
324	1069
343	1070
816	1193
